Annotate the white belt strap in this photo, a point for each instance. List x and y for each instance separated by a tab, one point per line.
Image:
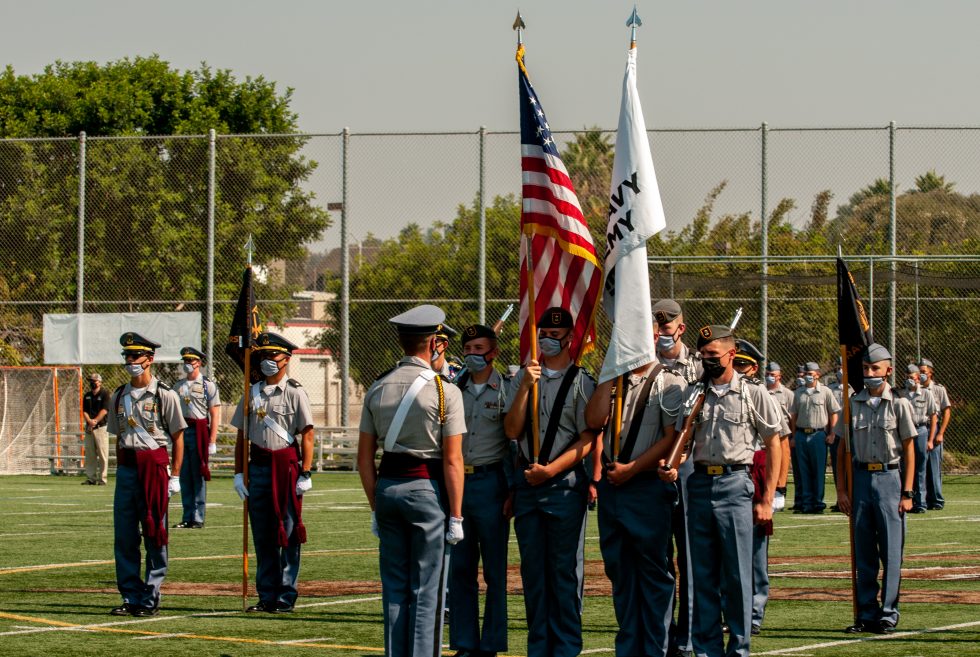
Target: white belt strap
396	424
137	428
269	423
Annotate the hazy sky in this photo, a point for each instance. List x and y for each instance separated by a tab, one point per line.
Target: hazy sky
431	65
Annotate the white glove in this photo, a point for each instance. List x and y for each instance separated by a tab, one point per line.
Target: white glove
455	533
174	486
303	484
374	526
212	449
240	486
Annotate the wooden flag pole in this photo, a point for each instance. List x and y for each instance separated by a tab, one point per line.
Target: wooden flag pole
532	322
617	419
246	414
849	473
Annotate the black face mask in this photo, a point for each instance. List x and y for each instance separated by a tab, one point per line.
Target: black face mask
712	366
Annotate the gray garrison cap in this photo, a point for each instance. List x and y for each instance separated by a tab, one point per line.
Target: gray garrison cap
420	320
912	368
773	366
874	352
925	362
812	367
666	310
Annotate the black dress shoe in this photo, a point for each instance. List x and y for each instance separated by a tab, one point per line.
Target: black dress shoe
88	483
282	608
918	509
184	525
196	525
100	483
883	627
261	606
756	630
145	612
857	628
125	609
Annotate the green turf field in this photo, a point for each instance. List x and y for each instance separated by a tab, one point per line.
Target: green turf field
57	581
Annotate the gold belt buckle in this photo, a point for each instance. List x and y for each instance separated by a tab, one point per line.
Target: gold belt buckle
875	467
468	469
715	469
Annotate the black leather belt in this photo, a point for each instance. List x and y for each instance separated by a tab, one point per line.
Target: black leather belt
808	430
477	469
716	470
877	467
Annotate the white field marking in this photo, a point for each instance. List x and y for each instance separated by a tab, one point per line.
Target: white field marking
28	497
51	513
157	619
812	526
160	636
295	641
880	637
596	650
53	504
19	534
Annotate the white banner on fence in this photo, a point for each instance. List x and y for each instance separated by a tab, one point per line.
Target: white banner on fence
95	340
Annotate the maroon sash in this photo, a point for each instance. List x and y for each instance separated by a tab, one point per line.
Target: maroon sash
285	467
759	479
203	434
151	469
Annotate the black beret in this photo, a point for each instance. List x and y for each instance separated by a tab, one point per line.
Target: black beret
475	331
274	342
135	342
191	352
745	350
712	332
666	310
555	317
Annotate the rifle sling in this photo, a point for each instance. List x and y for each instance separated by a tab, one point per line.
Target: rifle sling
552	431
642	402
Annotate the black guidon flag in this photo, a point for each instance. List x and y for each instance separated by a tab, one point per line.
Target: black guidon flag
853	328
245	326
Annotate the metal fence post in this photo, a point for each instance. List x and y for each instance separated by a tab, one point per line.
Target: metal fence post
764	309
212	139
80	286
483	228
344	291
871	292
892	223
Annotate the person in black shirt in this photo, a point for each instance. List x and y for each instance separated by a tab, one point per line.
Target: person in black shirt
95	406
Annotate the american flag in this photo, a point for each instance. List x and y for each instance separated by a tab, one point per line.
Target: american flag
563	257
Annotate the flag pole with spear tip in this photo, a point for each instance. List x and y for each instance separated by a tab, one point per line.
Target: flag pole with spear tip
246	415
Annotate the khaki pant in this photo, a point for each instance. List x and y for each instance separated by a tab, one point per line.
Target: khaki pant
97	454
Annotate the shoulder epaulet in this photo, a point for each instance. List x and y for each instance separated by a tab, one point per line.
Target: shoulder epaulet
294	383
587	373
385	373
161	384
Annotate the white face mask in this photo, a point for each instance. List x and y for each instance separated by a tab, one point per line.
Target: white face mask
269	367
135	369
189	368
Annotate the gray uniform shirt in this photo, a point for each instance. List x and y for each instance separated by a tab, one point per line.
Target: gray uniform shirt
687	366
782	397
156	421
729	428
664	394
922	402
941	396
571	421
485	442
813	406
285	404
192	401
879	432
421	434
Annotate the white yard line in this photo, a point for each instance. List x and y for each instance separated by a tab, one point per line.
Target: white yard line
159	636
293	642
881	637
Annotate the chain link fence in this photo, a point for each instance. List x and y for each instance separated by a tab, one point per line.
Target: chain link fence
352	228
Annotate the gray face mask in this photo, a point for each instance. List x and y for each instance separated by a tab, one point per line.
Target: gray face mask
923	378
269	367
873	382
909	384
549	347
800	381
135	369
188	368
665	343
475	362
808	379
770	379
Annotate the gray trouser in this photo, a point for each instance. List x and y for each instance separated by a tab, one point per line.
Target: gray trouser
193	488
128	510
412	526
549	522
812	460
634	536
879	539
921	444
934	478
760	573
278	567
486	532
97	454
719	517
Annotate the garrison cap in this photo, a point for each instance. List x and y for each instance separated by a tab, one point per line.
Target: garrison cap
745	350
800	369
925	362
134	342
555	317
812	367
711	333
666	310
475	331
912	368
874	352
773	366
446	332
191	353
95	376
420	320
274	342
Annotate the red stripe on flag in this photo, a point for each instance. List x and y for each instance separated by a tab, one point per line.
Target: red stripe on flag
538	165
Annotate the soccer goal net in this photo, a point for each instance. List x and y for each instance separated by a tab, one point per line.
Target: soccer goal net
41	427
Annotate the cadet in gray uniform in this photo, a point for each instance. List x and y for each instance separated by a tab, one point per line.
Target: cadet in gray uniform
934	470
280	455
924	410
420	419
814	414
636	506
783	397
145	417
735	418
442	362
201	406
552	493
881	449
487	503
682	368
